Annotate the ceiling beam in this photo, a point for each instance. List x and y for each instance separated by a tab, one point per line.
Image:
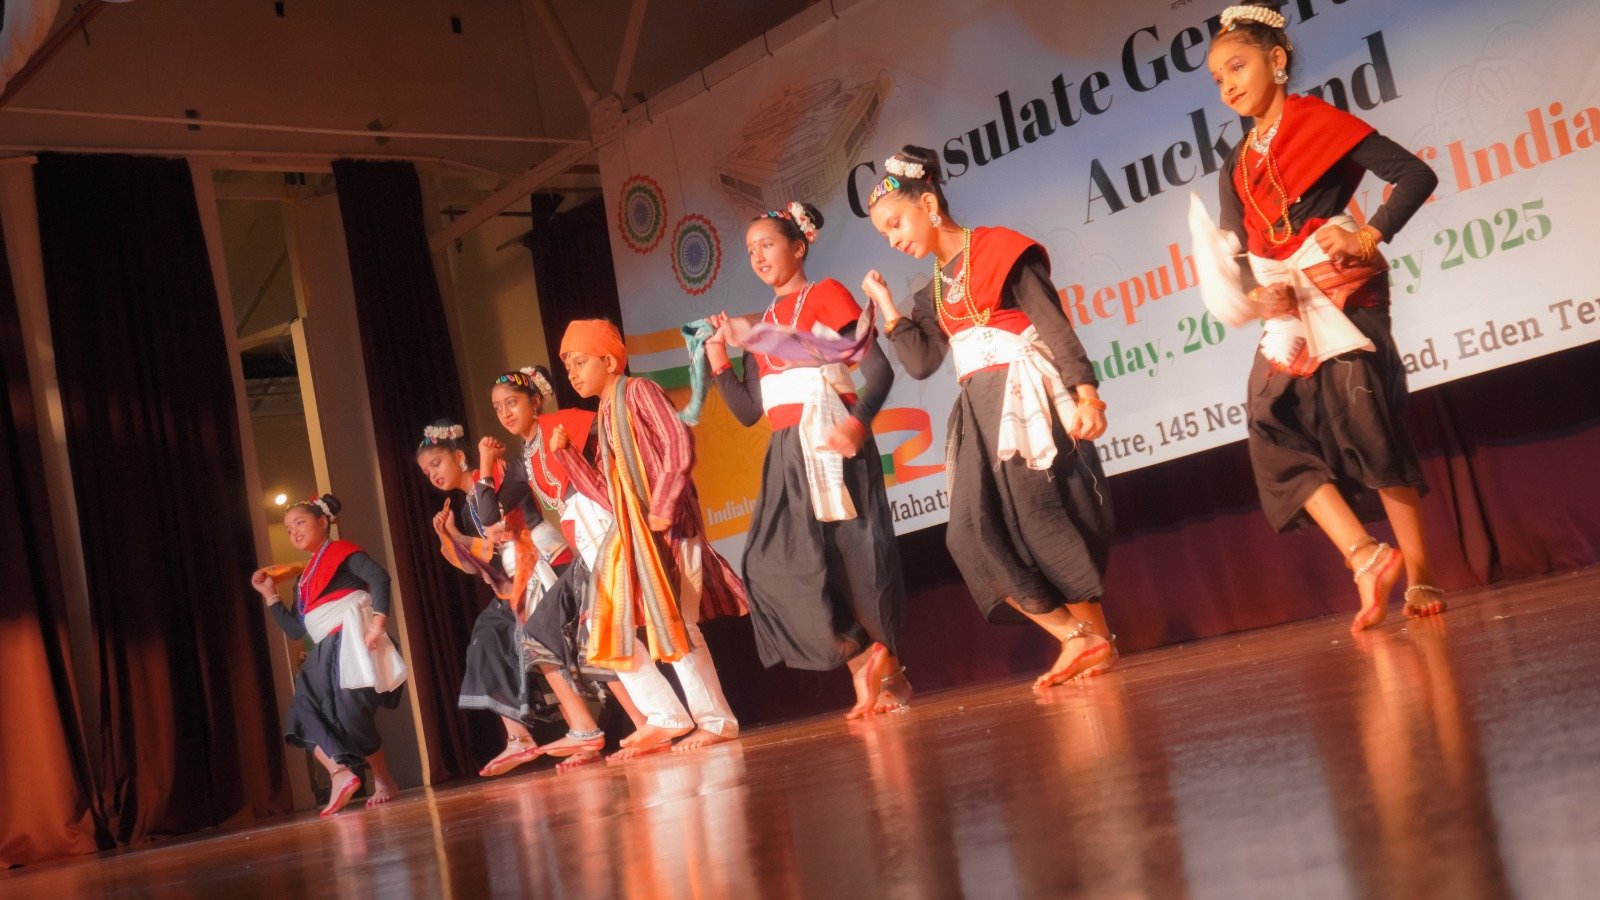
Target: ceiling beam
515	190
292	129
567	53
630	48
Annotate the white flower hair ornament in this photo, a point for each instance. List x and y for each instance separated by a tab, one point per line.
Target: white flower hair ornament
904	168
808	228
1233	15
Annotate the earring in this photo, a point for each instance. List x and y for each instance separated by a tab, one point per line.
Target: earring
936	219
463	464
1280	77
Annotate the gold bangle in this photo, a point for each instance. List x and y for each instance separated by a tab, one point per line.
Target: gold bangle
1091	402
1369	241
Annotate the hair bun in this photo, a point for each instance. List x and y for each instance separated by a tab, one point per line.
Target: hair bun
926	158
814	214
332	503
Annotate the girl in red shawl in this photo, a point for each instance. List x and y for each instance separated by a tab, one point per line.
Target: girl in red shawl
1324	435
1030	510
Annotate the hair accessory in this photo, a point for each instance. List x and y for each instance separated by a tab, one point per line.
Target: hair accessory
1233	15
540	383
528	378
904	168
884	188
316	505
438	434
802	220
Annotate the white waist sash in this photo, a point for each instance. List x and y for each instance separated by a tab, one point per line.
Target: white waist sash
1320	331
591	522
1034	391
817	390
382	669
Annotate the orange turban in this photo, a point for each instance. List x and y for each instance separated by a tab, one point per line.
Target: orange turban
594	337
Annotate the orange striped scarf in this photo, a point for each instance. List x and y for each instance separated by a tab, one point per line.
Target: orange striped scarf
634	579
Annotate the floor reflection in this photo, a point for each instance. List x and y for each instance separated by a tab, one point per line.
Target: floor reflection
1438	758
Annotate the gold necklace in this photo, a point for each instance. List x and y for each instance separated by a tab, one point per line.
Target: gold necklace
974	315
1278	231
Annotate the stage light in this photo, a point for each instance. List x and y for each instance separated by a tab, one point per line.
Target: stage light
280	500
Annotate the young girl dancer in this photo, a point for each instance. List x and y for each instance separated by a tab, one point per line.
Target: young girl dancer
515	500
342	602
496	673
1030	515
1323	437
821	561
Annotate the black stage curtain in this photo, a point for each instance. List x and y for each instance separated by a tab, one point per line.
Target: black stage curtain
575	278
44	765
412	377
189	734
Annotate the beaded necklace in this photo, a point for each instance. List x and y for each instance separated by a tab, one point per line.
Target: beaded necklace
302	599
1279	231
961	288
799	304
535	448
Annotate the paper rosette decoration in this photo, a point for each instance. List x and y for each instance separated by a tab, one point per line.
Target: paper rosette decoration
696	254
641	213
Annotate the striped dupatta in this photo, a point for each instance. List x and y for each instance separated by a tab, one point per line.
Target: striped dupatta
633	575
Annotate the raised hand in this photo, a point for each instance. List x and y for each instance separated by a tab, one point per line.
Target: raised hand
264	585
877	289
489	453
559	440
442	520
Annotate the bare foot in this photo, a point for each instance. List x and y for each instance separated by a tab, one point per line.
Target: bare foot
578	760
864	677
627	753
1423	600
517	752
1080	654
701	738
572	744
345	785
649	737
383	791
894	688
1376	585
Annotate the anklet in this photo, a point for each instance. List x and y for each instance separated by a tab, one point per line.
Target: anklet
1382	552
586	735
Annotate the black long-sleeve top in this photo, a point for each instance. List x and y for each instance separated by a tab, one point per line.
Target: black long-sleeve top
743	395
358	572
922	345
1330	195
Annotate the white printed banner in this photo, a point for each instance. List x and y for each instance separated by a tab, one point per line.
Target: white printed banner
1088	132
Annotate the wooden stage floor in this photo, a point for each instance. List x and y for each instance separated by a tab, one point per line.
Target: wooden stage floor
1456	758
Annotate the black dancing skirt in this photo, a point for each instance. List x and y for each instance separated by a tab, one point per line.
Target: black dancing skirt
1342	426
1041	538
496	676
554	633
322	714
821	592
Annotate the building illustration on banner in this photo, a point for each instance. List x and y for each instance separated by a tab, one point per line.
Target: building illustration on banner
801	143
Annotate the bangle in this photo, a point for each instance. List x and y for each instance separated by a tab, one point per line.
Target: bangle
1369	241
1091	402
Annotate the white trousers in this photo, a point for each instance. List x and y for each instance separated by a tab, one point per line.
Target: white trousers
651	691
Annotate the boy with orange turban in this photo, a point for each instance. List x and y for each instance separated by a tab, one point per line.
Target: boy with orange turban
655	568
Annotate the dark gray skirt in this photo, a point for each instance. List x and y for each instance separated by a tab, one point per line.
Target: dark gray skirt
1041	538
495	676
821	592
554	632
322	714
1344	425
